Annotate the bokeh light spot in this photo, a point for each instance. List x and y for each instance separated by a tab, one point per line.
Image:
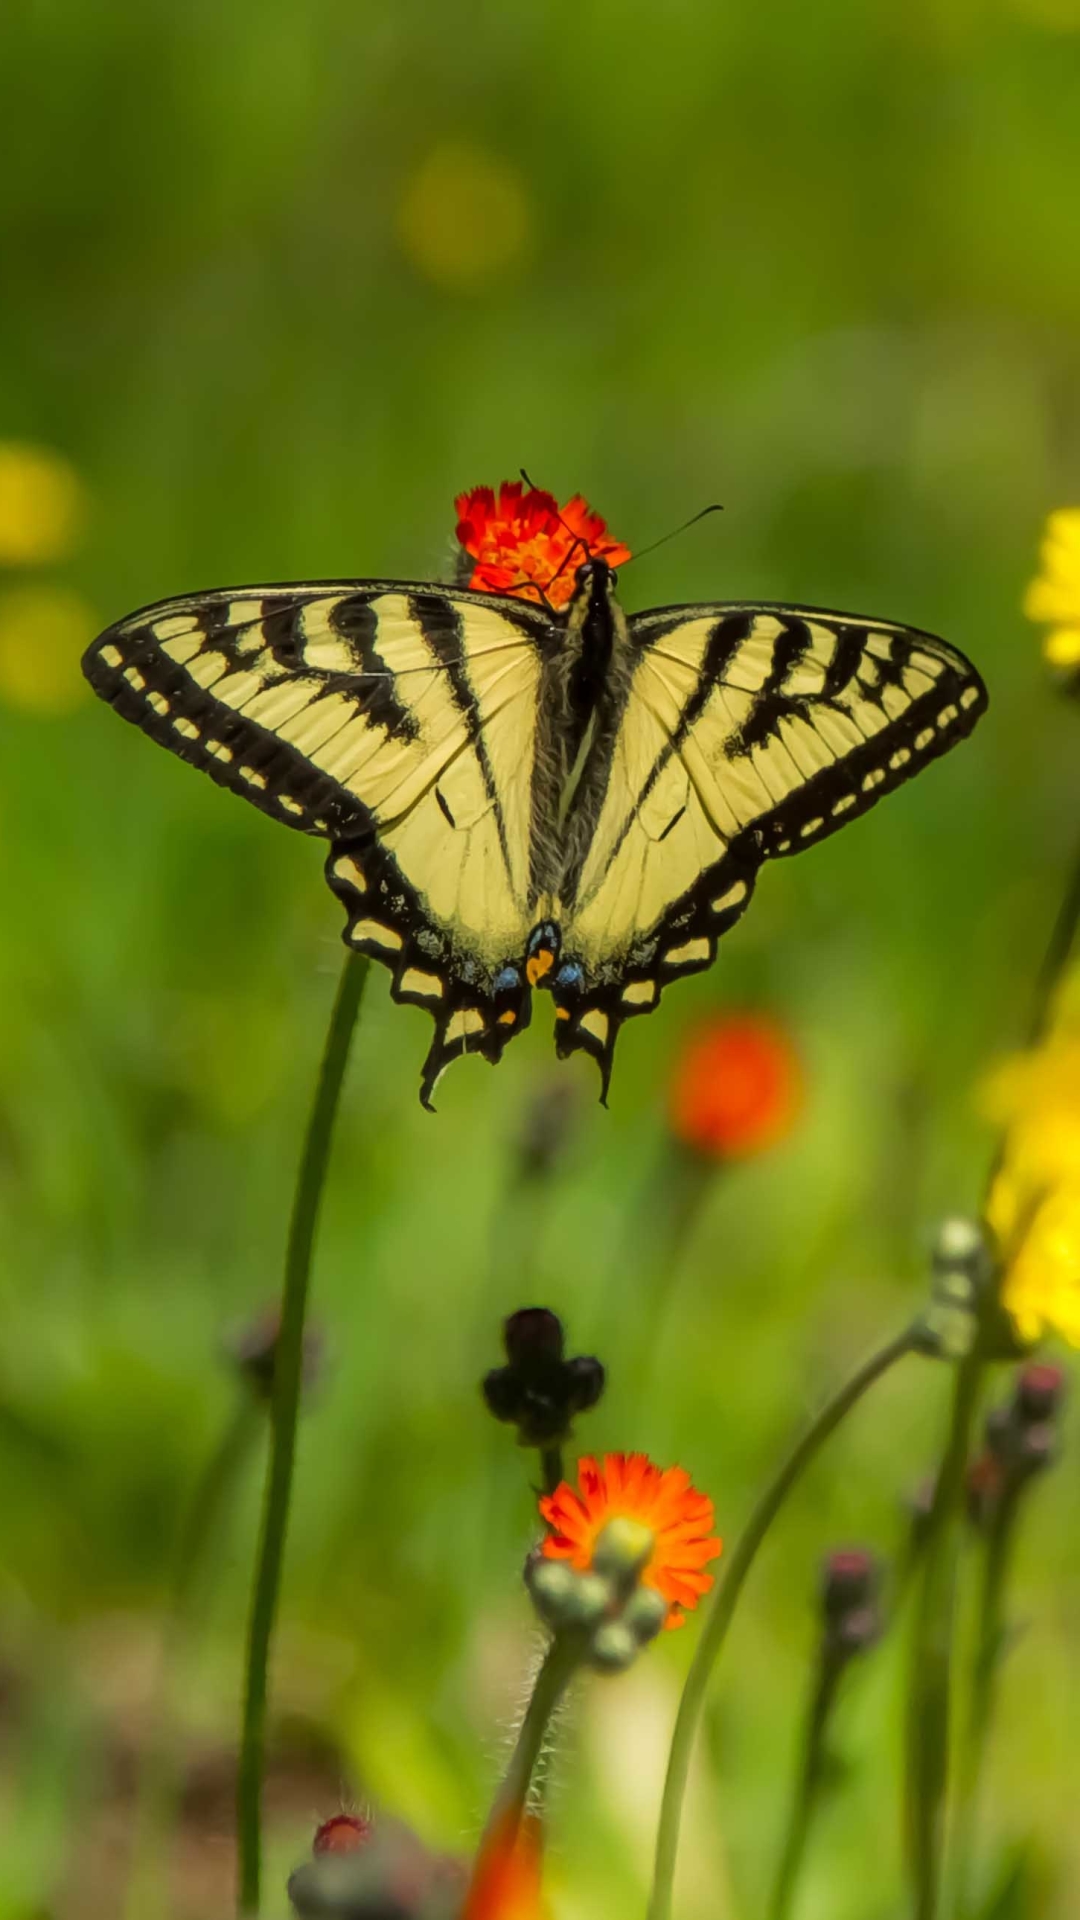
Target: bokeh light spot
465	217
42	505
43	632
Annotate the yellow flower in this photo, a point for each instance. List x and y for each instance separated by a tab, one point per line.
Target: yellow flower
1041	1290
1034	1204
41	505
43	632
1054	594
1035	1096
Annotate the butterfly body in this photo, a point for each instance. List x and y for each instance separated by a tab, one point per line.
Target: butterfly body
519	799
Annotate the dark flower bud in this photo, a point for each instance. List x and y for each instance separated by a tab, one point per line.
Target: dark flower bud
851	1618
252	1349
849	1579
1021	1434
532	1336
858	1630
1038	1448
1039	1392
389	1876
985	1481
538	1390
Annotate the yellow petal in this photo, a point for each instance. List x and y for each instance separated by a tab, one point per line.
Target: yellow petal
1062	647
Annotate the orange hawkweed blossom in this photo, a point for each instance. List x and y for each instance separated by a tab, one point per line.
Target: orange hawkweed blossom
523	542
1054	594
628	1486
506	1878
737	1087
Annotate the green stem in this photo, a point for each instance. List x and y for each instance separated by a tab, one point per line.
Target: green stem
811	1775
288	1372
931	1680
557	1669
725	1598
986	1667
551	1466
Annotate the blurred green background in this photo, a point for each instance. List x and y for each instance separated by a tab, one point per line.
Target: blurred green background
280	281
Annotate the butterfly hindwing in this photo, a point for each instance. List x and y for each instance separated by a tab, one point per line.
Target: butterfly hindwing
749	732
394	720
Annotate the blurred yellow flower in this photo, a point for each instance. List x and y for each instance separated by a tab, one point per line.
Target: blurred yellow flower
1054	594
1041	1290
42	505
464	217
1035	1097
1034	1204
43	632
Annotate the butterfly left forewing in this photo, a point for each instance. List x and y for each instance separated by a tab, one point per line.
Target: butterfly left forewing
395	720
749	732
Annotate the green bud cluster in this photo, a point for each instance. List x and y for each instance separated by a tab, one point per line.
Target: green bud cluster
606	1605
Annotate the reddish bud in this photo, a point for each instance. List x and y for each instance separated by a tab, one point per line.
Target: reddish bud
342	1833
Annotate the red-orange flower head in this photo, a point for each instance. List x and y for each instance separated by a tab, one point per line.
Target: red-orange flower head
737	1087
523	542
629	1487
505	1883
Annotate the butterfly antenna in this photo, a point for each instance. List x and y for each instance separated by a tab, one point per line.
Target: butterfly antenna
577	539
640	552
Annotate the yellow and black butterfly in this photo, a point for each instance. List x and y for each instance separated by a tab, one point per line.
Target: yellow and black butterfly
518	798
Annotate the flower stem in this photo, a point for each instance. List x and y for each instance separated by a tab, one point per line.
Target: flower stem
551	1466
725	1599
931	1677
557	1669
288	1372
808	1786
986	1667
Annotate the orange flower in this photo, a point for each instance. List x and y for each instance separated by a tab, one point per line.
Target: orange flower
629	1487
524	543
506	1878
737	1087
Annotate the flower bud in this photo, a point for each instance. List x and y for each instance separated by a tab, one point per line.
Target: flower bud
1040	1390
613	1647
538	1390
342	1833
645	1613
252	1349
623	1548
851	1617
564	1597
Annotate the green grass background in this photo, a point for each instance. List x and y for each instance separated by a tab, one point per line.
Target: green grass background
817	263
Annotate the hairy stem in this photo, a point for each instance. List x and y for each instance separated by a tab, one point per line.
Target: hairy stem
288	1371
557	1669
725	1598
